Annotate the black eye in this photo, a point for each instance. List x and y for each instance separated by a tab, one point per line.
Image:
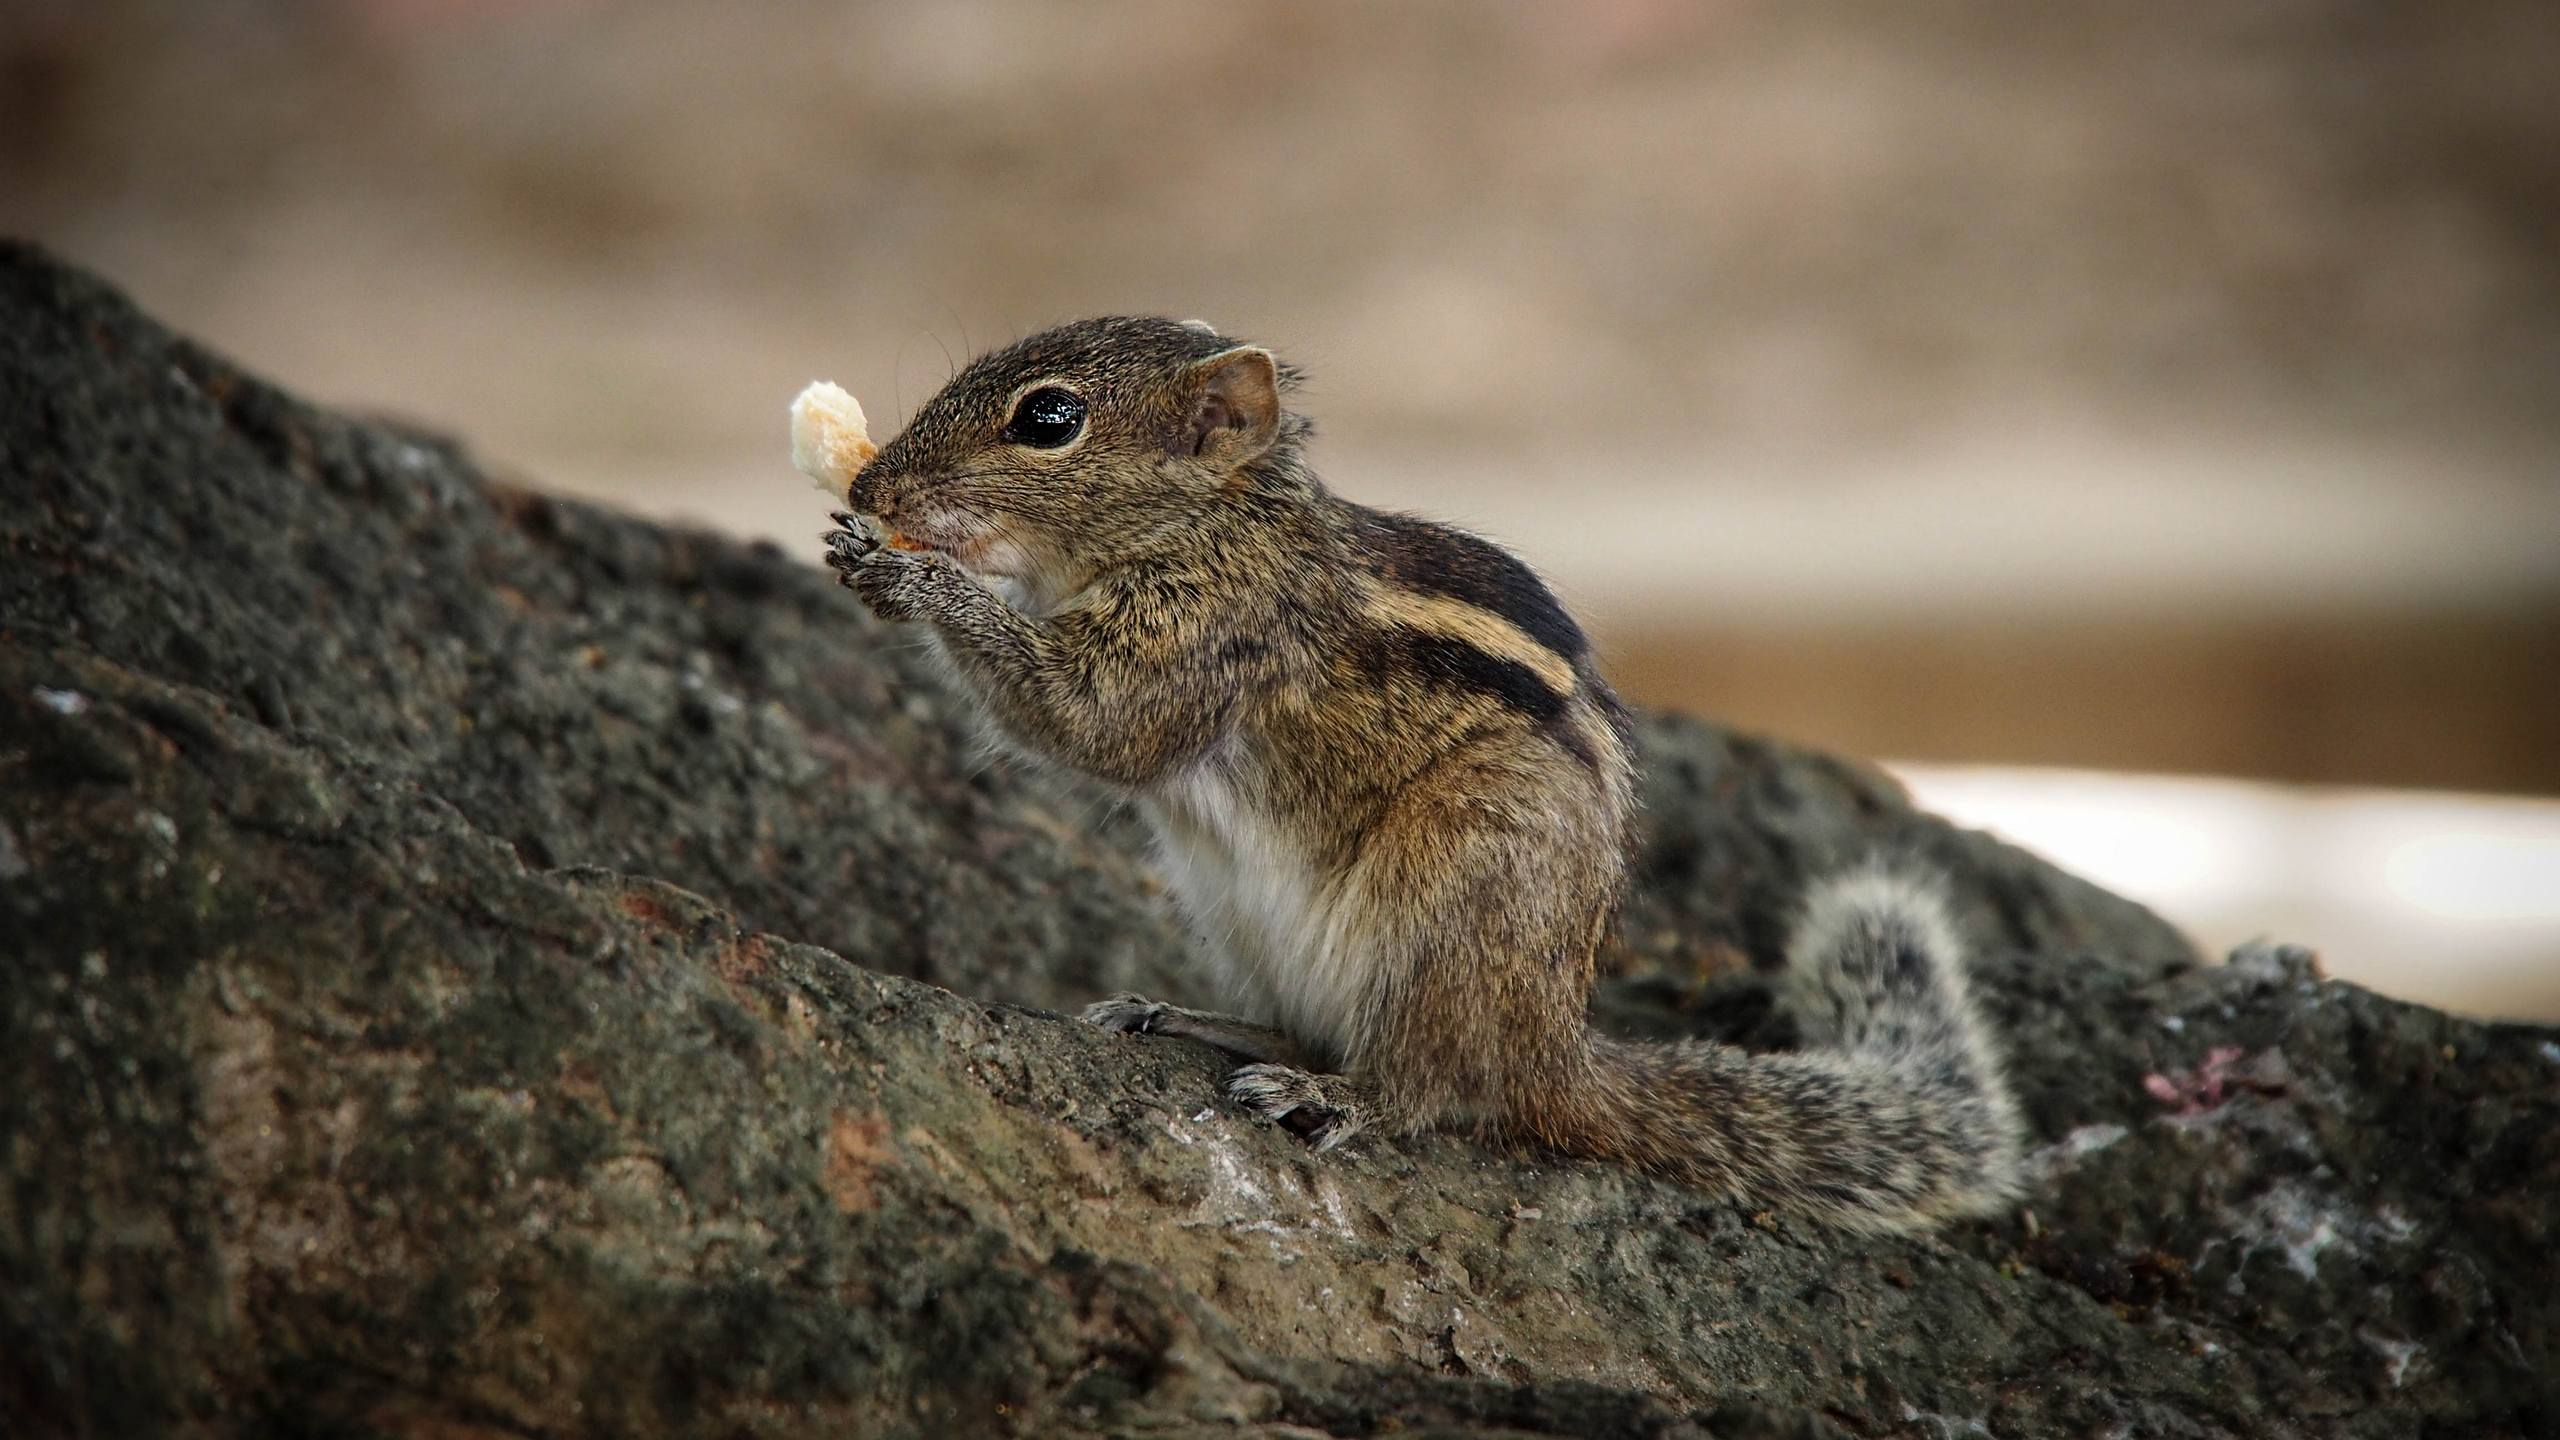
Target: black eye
1046	418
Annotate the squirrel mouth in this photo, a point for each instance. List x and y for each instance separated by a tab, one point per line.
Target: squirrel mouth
960	548
961	539
887	533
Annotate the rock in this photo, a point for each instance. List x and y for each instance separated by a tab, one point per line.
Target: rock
483	965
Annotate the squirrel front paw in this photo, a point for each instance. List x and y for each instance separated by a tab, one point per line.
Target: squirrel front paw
1323	1110
894	584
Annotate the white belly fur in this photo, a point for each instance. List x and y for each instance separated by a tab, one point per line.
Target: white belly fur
1266	923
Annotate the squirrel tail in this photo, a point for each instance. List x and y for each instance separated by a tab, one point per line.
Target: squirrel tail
1895	1113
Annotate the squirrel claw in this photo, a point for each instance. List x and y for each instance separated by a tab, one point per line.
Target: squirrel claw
849	545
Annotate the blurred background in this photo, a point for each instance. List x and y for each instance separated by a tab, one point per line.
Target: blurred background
2140	425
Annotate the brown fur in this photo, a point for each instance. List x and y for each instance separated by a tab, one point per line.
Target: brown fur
1392	792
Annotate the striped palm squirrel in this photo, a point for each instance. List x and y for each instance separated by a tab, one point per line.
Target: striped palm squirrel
1391	791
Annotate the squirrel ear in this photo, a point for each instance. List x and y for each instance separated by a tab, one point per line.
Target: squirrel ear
1233	406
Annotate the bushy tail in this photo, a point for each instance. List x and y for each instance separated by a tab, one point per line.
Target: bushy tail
1895	1113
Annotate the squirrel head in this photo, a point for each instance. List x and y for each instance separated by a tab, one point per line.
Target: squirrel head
1065	453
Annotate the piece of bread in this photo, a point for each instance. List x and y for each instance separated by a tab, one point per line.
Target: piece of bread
830	440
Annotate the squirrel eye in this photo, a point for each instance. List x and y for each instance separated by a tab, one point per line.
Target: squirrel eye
1046	418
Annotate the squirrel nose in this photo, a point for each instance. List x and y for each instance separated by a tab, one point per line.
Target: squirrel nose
870	486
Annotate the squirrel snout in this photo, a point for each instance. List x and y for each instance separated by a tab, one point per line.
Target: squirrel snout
875	489
885	488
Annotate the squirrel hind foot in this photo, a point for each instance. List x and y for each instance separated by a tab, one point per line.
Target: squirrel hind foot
1323	1110
1124	1014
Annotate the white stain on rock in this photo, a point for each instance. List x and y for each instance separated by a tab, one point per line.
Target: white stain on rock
2071	1149
1241	1196
2301	1224
2397	1355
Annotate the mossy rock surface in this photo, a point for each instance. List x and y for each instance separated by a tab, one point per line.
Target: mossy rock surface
480	965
